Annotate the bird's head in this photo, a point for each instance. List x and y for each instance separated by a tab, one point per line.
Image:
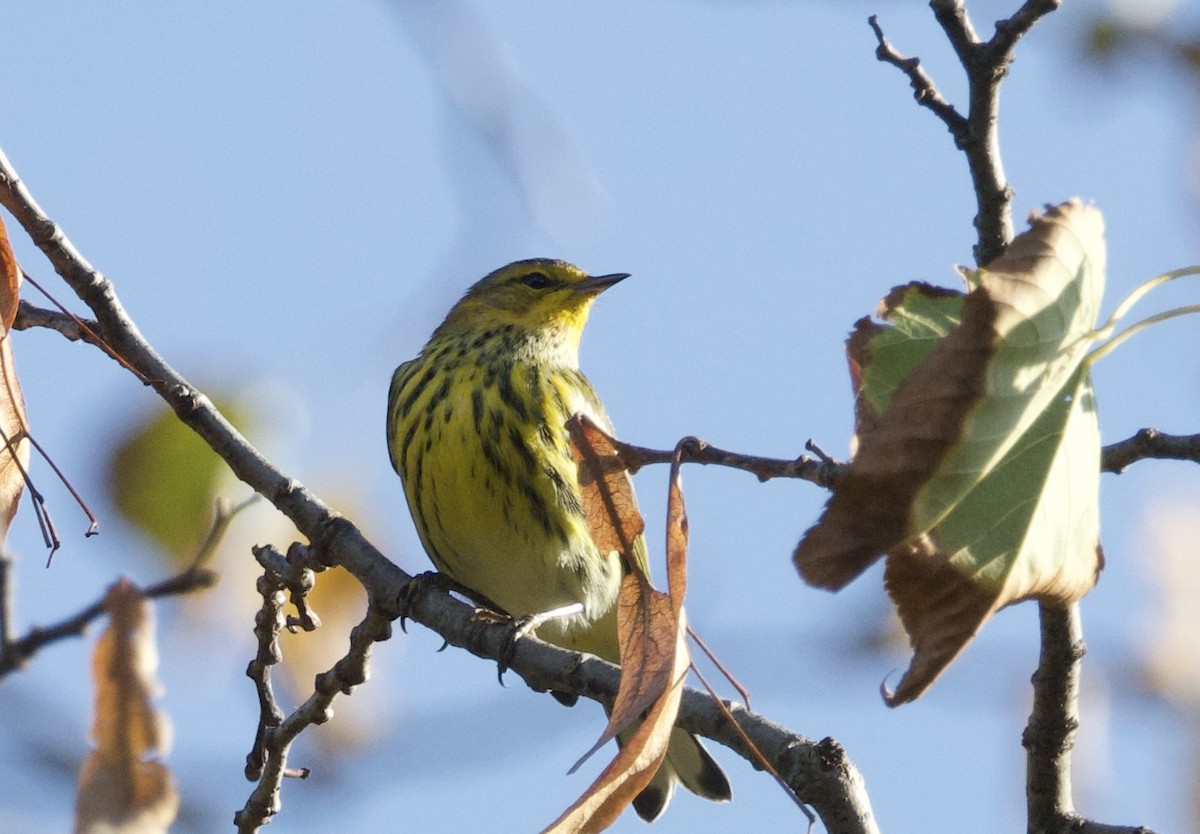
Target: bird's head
539	297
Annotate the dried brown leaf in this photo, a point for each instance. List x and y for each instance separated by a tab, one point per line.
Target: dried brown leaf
654	663
869	511
650	628
980	479
124	788
677	539
608	501
13	426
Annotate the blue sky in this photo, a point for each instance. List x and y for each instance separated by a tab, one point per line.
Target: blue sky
288	196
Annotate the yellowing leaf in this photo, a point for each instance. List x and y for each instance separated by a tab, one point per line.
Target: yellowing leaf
1030	529
980	476
123	787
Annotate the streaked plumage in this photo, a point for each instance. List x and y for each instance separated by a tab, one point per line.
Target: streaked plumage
476	431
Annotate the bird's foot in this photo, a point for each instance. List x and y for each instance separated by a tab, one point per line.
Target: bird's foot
421	583
527	624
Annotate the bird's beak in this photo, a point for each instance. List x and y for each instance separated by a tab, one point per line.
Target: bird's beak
596	284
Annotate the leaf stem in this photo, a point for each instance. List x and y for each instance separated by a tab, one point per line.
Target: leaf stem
1116	341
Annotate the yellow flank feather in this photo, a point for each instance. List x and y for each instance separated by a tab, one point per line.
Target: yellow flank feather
477	432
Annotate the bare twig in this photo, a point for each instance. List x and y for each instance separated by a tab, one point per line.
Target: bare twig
30	316
88	329
40	510
194	577
824	471
925	91
821	472
8	599
1050	735
268	624
14	655
1150	443
264	802
986	63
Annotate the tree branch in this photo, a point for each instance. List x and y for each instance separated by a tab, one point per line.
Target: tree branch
14	654
977	136
1150	443
29	316
818	772
1050	735
925	91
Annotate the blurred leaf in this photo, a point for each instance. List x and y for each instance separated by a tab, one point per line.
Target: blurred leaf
164	479
341	602
123	787
1107	39
13	424
1172	564
981	478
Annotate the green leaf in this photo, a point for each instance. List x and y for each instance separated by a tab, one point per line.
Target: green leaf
921	315
1029	529
977	464
164	479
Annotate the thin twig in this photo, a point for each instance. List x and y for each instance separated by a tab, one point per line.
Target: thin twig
1009	31
821	472
8	599
268	625
223	516
264	801
985	63
93	522
925	91
41	511
194	577
14	655
30	316
824	471
1150	443
759	760
89	329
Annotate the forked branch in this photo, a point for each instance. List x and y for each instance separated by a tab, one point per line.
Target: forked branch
829	783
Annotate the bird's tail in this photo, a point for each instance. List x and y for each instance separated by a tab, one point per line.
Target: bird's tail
688	763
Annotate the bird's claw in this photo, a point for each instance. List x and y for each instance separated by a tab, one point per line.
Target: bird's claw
521	626
416	586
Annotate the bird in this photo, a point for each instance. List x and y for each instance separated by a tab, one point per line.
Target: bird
476	430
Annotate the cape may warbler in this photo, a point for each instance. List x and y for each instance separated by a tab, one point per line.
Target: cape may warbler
476	431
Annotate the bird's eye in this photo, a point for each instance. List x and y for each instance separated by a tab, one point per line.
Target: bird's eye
536	281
